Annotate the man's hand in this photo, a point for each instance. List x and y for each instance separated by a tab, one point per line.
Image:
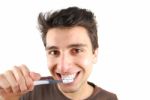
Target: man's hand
14	83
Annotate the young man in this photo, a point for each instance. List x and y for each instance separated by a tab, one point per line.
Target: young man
71	44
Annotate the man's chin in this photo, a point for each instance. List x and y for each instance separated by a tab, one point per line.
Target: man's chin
68	89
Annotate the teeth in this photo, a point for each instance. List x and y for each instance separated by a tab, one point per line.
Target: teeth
68	78
67	81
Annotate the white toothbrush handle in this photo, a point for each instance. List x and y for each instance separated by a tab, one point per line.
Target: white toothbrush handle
41	82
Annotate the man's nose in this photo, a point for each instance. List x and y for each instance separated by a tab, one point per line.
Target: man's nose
64	63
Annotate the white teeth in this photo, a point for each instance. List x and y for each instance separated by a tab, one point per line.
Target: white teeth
68	78
66	81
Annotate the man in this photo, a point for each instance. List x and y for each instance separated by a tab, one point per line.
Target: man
71	44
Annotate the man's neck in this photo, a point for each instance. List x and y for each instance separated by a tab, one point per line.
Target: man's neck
84	92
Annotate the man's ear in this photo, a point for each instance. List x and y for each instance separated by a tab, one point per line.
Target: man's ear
95	56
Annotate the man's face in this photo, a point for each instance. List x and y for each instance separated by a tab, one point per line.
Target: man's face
69	54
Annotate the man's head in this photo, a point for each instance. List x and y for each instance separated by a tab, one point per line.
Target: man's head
70	39
69	17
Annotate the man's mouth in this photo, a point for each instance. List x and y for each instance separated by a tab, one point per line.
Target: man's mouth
68	78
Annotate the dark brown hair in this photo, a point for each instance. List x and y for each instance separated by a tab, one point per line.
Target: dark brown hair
69	17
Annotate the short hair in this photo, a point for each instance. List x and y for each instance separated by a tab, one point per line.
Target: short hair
69	17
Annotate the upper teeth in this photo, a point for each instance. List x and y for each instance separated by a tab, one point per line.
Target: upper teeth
68	78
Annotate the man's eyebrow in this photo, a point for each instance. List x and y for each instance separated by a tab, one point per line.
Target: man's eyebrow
51	47
76	45
69	46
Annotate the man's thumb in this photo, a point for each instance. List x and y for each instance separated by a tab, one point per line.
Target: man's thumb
35	76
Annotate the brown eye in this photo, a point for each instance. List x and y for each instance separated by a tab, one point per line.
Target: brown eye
54	52
76	51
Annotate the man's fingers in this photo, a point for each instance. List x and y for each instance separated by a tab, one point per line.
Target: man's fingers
12	81
20	78
35	76
4	85
26	74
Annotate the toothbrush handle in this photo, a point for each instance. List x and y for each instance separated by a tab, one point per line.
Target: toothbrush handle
42	82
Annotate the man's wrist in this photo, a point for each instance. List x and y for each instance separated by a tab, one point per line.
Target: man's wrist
1	98
9	98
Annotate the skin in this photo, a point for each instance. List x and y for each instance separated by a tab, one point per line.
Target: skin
69	51
16	82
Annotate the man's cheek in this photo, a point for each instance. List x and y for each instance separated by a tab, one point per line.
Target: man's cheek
50	68
85	62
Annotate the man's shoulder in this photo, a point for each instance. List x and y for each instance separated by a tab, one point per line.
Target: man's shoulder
102	94
108	94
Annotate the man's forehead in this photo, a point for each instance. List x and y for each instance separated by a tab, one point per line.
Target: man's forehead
76	37
60	32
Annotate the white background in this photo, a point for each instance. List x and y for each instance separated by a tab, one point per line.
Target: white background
124	38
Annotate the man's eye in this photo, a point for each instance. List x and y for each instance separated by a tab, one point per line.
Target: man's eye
76	51
54	52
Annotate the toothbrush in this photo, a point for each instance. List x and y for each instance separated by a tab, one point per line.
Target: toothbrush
42	82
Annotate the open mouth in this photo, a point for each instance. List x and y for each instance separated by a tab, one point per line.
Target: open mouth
68	78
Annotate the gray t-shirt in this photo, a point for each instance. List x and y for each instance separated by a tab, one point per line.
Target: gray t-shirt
51	92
